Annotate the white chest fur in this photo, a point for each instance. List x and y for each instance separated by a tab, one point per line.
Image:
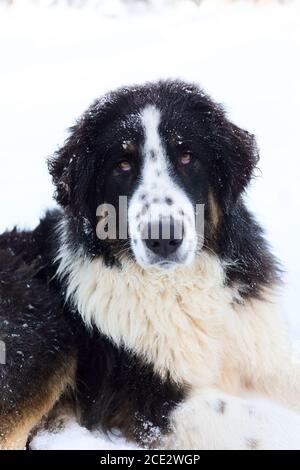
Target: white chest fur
186	323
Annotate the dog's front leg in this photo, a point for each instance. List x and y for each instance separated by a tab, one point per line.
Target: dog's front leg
211	419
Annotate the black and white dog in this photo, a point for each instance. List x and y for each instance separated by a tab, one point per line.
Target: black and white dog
159	336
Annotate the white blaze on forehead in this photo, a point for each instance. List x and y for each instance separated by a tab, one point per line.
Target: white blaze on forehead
155	163
150	117
157	182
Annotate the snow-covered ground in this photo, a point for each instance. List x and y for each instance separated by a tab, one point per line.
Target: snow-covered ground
55	61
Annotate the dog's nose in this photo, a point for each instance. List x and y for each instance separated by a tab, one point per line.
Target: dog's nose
162	240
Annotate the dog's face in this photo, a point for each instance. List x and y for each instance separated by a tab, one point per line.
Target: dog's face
169	163
158	168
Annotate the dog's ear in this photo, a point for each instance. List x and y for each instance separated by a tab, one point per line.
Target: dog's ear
62	167
233	152
69	167
235	158
72	166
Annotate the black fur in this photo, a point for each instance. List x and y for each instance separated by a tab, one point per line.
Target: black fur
118	390
33	326
114	387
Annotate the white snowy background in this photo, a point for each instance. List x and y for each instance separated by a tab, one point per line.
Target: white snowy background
55	60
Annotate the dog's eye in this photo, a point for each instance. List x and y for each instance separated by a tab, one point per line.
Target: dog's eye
124	166
185	158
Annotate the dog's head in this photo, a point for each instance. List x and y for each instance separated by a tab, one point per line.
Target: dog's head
146	168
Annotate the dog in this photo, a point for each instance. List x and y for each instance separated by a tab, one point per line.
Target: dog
164	337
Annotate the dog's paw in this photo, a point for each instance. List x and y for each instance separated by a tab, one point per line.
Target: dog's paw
214	420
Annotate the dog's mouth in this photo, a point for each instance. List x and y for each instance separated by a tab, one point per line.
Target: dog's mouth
167	265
